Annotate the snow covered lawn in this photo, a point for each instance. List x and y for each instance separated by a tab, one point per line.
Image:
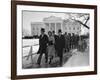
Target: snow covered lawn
27	43
30	46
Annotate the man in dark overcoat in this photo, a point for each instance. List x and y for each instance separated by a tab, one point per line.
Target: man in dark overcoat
43	41
60	45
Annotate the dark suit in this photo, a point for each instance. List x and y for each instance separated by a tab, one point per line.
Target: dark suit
60	45
43	40
55	45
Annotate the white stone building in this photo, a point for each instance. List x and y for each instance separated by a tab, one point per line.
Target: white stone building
53	23
71	26
36	27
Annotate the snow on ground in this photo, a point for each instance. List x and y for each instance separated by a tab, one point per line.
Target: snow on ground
26	50
27	43
78	59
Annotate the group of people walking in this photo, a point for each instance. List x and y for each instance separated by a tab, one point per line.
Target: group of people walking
71	41
53	45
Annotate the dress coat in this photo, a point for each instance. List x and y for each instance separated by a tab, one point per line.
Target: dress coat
60	45
43	41
51	48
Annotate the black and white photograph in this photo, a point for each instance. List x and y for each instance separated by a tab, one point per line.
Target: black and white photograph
54	39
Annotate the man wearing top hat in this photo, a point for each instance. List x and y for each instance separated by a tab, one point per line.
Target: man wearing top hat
60	45
43	41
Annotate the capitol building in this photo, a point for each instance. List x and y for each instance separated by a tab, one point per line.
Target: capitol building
53	23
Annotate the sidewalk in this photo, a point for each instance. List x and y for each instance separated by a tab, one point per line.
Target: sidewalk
32	62
78	59
70	59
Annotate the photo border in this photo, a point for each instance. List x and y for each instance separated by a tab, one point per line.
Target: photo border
14	39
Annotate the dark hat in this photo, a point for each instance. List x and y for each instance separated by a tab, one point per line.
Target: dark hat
42	29
59	31
53	31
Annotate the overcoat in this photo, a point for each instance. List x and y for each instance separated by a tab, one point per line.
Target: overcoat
60	44
43	41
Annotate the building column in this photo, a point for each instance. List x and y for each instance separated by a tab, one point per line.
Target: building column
55	28
48	26
62	27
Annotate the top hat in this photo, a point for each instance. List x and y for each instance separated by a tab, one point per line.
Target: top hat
42	29
59	31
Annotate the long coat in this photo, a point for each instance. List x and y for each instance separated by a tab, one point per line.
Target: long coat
51	48
60	44
43	41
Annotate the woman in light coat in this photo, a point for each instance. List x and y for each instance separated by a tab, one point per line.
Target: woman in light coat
51	48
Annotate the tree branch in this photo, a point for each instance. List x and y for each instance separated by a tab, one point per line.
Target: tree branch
87	20
83	24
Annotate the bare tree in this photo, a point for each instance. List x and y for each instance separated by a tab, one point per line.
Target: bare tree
80	18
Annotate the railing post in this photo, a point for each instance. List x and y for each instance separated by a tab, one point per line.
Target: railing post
30	54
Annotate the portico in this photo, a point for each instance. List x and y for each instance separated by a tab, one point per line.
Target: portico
53	23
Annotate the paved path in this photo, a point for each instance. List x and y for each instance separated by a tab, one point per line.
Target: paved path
78	59
71	59
31	61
